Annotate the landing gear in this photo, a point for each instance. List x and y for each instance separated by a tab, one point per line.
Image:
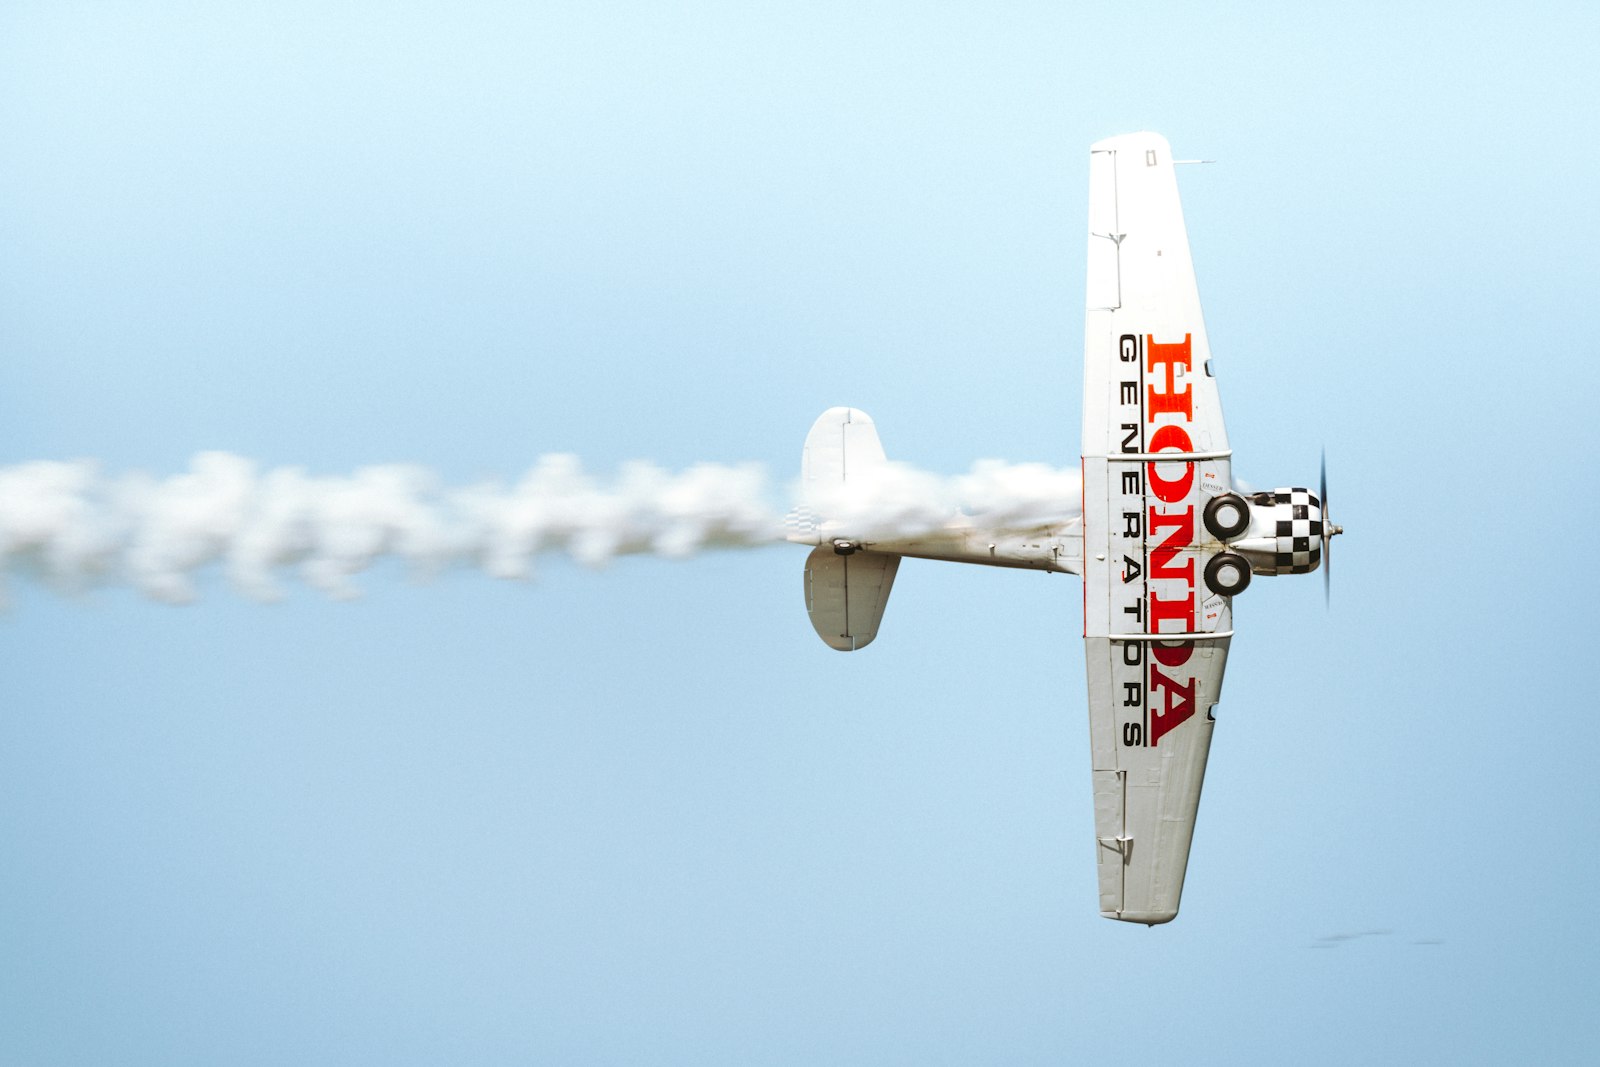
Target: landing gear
1227	516
1228	573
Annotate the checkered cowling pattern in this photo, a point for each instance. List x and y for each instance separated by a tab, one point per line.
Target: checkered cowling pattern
1299	547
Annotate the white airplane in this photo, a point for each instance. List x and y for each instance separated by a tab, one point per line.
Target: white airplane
1163	540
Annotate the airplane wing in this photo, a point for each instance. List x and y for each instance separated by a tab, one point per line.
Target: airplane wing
1155	636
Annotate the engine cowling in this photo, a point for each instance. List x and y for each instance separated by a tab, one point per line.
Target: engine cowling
1285	532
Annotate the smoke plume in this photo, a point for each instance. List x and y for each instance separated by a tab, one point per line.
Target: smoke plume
73	527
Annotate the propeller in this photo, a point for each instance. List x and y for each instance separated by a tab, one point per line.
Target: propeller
1329	532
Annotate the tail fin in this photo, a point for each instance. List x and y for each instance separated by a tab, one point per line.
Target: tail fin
846	587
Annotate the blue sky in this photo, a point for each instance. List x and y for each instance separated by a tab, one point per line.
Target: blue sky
643	815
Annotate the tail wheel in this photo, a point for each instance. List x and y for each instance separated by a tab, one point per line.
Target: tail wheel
1228	573
1227	516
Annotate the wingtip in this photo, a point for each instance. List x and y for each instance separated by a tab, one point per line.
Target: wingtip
1148	918
1141	139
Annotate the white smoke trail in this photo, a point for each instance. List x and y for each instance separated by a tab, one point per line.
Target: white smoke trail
72	527
895	500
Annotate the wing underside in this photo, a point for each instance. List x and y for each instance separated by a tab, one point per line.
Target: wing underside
1154	452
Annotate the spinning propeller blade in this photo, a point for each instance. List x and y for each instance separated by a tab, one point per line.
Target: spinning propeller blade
1329	532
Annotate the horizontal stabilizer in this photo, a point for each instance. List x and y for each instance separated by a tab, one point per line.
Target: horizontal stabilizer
842	442
845	595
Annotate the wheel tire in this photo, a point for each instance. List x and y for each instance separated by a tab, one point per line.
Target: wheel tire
1228	573
1227	516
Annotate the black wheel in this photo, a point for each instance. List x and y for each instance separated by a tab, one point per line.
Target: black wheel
1227	516
1228	573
